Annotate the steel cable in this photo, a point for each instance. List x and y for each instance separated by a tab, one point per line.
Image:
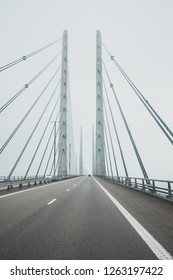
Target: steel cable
27	85
108	150
23	58
110	136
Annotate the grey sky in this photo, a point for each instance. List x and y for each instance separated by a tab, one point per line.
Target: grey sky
137	32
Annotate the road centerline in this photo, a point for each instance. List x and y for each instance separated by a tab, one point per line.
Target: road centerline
153	244
52	201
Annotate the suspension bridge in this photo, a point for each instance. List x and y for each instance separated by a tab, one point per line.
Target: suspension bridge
49	207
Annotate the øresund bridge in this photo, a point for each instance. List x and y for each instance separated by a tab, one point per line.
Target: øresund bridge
50	208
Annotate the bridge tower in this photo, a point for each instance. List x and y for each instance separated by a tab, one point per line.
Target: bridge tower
100	144
62	156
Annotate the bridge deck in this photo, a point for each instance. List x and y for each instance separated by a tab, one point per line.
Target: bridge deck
75	219
154	213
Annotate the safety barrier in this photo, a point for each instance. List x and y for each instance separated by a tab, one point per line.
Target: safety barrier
162	188
19	181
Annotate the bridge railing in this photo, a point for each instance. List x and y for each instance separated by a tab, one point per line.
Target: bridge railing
162	188
20	181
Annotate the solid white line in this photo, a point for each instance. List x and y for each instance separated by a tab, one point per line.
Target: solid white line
68	190
152	243
52	201
32	189
6	195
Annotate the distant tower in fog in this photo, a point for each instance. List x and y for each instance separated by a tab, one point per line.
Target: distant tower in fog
81	154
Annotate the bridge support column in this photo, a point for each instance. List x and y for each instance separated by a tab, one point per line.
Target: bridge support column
100	144
62	155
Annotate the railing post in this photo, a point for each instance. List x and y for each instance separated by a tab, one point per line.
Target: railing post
154	188
135	185
169	190
9	187
129	181
143	184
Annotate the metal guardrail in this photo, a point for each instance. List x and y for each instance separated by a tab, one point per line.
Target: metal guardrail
19	181
162	188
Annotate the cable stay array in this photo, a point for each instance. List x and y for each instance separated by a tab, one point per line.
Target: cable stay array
116	133
38	148
126	124
33	131
27	85
45	129
45	150
28	112
163	126
114	128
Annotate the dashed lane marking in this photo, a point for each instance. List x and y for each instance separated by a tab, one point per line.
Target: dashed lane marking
52	201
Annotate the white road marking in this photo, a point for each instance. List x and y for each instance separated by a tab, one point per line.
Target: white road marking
68	190
152	243
6	195
52	201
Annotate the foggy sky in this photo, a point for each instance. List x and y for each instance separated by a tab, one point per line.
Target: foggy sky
137	33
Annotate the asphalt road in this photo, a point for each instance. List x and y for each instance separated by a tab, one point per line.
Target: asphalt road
75	219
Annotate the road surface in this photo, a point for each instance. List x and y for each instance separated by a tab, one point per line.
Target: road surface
76	219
